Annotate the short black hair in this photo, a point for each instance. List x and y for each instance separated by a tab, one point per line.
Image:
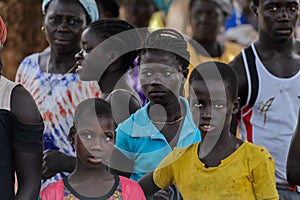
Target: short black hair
171	41
92	107
214	71
107	28
224	5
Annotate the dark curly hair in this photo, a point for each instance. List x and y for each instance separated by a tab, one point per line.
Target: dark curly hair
171	41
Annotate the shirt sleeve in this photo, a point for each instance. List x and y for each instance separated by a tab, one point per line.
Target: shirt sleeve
131	189
264	177
27	138
124	143
163	175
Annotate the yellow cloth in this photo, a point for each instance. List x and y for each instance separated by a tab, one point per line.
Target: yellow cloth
231	50
248	173
156	21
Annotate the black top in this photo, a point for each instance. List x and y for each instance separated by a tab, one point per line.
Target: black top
15	136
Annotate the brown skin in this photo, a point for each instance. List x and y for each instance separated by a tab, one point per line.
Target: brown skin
293	160
206	21
64	21
93	140
27	165
275	47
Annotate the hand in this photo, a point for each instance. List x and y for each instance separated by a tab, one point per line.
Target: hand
168	193
55	162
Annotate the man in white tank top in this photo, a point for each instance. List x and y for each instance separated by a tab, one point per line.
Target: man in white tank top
269	80
21	144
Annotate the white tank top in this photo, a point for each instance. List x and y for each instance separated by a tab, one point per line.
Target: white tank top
272	120
6	88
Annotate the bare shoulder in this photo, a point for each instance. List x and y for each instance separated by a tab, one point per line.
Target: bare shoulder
24	106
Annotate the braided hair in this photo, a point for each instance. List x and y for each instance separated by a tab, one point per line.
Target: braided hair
171	41
107	28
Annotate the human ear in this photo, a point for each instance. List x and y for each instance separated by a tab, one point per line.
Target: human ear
236	105
72	133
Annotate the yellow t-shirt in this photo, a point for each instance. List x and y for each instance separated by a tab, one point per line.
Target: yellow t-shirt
248	173
231	50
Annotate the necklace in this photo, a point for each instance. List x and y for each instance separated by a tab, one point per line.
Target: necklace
169	123
51	86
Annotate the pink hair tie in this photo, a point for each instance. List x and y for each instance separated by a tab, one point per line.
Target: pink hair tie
3	32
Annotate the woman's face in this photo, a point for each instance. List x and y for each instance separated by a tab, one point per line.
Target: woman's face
64	21
160	76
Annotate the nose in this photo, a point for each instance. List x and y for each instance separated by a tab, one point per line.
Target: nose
157	79
63	27
97	145
79	56
283	15
205	113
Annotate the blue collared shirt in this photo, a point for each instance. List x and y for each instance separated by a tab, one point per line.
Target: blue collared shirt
140	140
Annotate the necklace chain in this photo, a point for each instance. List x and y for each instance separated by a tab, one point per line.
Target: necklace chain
169	123
57	81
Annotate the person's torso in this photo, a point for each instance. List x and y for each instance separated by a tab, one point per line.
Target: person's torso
272	120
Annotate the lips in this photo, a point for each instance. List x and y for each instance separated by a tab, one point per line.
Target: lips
62	41
95	160
206	127
283	31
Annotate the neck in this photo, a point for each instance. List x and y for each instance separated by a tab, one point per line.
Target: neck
212	48
267	44
107	85
168	113
89	174
61	62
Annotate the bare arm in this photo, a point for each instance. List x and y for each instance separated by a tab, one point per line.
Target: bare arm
293	160
148	185
27	155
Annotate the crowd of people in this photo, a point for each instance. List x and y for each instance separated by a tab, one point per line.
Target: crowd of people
155	99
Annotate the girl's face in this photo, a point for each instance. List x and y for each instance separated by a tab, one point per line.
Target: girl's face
100	60
211	106
94	141
64	21
160	76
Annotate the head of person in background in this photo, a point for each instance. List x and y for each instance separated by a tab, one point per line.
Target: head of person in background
108	9
137	12
104	57
64	21
3	34
207	18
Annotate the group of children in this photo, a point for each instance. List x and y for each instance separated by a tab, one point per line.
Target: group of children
221	166
174	147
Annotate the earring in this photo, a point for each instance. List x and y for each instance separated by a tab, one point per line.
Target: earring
42	28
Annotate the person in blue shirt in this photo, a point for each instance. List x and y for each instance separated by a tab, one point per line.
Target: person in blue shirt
165	122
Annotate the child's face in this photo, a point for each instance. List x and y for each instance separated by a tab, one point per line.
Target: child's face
94	141
160	76
211	108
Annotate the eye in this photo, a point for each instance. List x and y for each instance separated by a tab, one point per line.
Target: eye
107	138
87	136
293	8
167	74
55	20
147	73
219	106
273	8
198	105
73	22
